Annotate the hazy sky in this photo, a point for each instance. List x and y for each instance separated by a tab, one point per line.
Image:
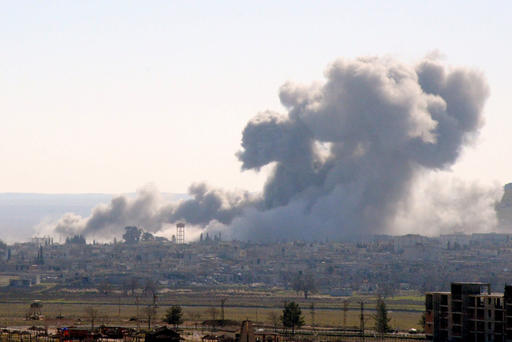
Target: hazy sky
106	96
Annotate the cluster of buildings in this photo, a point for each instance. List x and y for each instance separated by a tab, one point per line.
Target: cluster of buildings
379	263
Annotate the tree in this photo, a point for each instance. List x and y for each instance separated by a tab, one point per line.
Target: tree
298	282
133	284
150	312
422	321
132	234
312	314
213	315
304	283
330	270
104	287
194	316
286	278
151	288
76	239
308	285
34	311
386	289
273	317
174	316
146	236
292	316
381	317
92	314
125	287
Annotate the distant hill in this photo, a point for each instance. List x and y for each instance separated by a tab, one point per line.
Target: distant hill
20	213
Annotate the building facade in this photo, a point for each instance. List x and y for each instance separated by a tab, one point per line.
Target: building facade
470	312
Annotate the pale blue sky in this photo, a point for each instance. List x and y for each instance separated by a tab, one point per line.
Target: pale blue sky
106	96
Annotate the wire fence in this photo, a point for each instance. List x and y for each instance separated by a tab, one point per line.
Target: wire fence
349	337
302	336
28	336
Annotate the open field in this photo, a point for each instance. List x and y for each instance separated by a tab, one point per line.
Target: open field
74	314
406	300
114	309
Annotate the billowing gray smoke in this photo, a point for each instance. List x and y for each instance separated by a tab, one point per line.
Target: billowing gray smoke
148	211
345	154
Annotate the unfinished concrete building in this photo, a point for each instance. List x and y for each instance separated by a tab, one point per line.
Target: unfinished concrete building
469	312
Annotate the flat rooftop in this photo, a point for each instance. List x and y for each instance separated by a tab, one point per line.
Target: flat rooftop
439	292
486	295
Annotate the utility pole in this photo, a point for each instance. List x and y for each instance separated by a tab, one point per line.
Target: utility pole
222	302
345	309
361	323
137	303
312	313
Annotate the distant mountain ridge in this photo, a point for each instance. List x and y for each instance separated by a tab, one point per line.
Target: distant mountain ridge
20	213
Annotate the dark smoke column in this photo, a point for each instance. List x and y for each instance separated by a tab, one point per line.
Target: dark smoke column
348	152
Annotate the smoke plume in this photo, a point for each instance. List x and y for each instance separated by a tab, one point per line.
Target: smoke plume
443	204
346	154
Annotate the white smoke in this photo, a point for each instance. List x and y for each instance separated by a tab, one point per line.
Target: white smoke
439	203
